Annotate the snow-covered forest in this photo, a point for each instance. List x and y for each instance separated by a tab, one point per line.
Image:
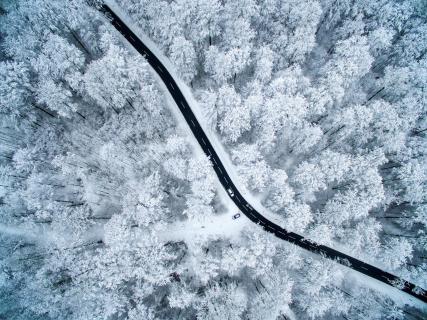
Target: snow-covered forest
109	211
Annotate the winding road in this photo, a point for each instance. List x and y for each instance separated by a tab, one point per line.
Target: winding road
228	184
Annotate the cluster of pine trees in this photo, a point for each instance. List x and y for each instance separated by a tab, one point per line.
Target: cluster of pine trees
320	105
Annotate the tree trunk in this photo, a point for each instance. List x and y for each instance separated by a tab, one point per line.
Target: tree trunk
43	110
80	42
371	97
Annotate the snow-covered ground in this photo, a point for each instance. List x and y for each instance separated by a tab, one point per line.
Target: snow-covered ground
219	226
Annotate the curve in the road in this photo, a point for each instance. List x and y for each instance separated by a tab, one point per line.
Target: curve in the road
228	184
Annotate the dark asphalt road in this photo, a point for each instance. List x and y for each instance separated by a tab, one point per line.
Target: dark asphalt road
225	180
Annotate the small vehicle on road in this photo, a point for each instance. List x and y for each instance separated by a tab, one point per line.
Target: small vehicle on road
230	192
236	216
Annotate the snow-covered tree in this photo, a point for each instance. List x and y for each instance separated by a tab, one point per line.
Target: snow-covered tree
107	213
234	117
14	88
56	98
226	302
253	168
184	57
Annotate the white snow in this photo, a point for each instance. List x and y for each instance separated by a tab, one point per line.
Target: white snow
215	227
